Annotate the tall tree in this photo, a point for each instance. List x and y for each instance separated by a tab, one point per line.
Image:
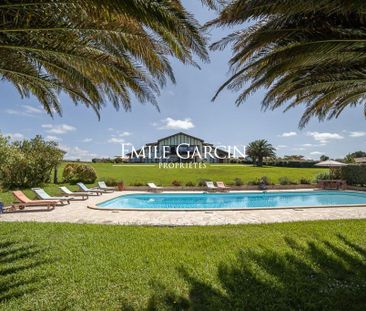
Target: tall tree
260	149
27	163
350	157
94	50
309	53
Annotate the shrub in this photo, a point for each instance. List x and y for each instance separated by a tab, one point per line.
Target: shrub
118	160
111	182
190	184
103	160
253	182
202	183
304	181
354	174
69	170
27	163
176	183
289	163
75	172
322	176
86	173
137	184
238	182
265	180
284	180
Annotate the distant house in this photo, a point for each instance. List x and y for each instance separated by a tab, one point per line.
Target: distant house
360	161
179	148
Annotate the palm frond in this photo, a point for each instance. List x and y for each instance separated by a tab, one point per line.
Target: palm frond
95	50
310	53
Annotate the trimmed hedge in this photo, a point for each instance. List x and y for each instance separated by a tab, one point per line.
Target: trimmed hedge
74	173
354	174
298	164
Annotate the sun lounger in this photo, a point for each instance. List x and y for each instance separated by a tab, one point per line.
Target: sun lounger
90	190
102	185
68	193
43	195
210	186
154	188
23	201
221	186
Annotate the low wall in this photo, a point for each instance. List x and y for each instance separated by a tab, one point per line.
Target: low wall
356	188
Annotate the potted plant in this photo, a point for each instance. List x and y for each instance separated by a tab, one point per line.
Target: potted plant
120	185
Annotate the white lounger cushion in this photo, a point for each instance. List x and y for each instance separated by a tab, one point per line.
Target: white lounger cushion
210	184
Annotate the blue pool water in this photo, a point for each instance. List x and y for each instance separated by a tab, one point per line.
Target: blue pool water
234	200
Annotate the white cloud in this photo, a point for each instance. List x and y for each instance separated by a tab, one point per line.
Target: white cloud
307	145
116	140
281	146
124	134
356	134
14	136
87	140
53	138
11	111
25	110
288	134
324	137
172	124
58	129
316	153
73	153
32	110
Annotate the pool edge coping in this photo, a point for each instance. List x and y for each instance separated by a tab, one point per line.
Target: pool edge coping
95	207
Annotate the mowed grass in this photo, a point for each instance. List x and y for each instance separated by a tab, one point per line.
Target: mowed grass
292	266
141	173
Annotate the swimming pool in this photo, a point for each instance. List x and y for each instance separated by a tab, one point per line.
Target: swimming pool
218	201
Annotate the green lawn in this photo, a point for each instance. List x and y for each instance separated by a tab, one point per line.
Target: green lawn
292	266
141	174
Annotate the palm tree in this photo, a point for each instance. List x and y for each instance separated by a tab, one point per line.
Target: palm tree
260	149
94	50
309	53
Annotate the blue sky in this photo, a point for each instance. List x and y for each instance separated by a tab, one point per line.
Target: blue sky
185	107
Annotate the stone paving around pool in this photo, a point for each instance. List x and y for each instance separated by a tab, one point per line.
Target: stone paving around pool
78	212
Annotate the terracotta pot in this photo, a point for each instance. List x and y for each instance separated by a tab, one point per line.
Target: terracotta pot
121	186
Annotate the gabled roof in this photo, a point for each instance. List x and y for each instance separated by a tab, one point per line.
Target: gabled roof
181	133
224	151
185	134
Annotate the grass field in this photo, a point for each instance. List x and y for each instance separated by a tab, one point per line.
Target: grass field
141	174
292	266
